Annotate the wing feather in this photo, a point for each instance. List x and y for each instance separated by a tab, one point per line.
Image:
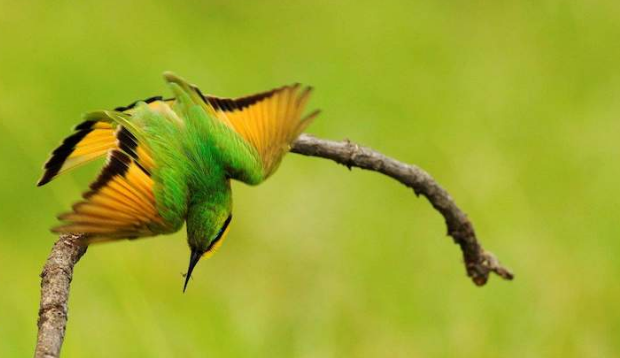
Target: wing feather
121	203
269	121
91	140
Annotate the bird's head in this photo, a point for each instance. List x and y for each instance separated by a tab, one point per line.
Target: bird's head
205	233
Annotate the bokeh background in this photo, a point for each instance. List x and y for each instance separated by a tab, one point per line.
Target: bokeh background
513	106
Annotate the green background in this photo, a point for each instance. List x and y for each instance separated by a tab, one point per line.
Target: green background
512	106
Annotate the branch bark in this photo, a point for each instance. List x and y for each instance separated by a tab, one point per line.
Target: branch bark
53	308
478	262
58	270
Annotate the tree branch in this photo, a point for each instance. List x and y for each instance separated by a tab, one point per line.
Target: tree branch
55	280
58	270
478	262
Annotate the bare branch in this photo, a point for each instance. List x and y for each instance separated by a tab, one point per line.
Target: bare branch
478	262
55	280
58	270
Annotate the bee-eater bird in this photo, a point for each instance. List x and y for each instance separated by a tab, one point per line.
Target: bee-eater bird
171	160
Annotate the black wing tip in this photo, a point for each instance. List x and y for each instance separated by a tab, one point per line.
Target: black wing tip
232	104
50	171
127	142
63	151
118	164
46	178
134	103
86	125
239	103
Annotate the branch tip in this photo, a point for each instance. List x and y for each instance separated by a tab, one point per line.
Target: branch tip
478	262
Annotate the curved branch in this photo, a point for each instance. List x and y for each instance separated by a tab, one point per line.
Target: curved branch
58	270
478	262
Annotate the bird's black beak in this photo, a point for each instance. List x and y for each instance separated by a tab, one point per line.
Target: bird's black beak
193	260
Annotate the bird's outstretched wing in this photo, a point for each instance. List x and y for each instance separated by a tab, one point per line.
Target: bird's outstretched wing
92	139
268	121
121	202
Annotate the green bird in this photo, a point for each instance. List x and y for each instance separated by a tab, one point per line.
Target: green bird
170	161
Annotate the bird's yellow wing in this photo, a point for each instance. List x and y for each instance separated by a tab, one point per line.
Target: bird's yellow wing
93	139
120	204
269	121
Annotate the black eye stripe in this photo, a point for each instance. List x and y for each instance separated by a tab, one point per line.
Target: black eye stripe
220	233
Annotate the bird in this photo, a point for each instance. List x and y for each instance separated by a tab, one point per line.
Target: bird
170	161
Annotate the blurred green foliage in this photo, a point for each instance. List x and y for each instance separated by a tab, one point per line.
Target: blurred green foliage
512	105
